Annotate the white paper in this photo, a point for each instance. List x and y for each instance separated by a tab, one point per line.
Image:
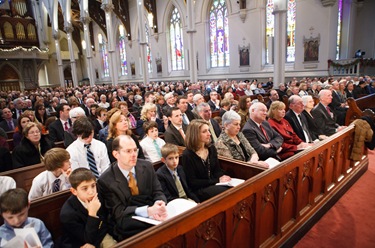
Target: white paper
232	183
26	235
174	208
272	162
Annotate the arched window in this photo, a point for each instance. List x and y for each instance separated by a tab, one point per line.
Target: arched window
339	26
104	55
124	65
291	29
176	44
219	34
148	49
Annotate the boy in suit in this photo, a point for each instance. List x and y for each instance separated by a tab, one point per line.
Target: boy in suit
14	208
55	178
82	218
172	177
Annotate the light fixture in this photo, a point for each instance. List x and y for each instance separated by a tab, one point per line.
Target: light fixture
84	45
150	18
122	30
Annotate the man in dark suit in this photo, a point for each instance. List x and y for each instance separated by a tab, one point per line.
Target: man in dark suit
190	102
204	111
262	137
183	105
338	105
63	123
130	187
172	176
175	133
18	108
101	120
214	102
274	96
8	123
323	115
297	120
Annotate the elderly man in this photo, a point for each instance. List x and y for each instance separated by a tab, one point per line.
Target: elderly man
19	105
324	117
262	137
8	123
297	120
338	104
130	187
204	112
170	102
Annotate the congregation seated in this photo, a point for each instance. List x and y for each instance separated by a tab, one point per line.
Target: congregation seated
18	131
324	118
63	123
151	143
175	133
103	133
69	136
172	177
262	137
291	142
244	106
119	125
338	104
130	187
200	162
123	106
32	148
8	124
233	144
149	114
6	183
205	113
315	131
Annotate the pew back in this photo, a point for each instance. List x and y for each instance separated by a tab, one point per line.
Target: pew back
269	208
358	106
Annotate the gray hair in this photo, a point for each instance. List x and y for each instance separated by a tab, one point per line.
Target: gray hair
229	117
196	97
255	106
305	99
75	112
201	106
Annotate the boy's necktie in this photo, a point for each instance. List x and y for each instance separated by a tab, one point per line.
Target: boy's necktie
181	191
56	185
157	148
91	160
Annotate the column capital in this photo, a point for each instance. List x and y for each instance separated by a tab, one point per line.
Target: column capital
328	3
85	20
107	7
56	36
69	28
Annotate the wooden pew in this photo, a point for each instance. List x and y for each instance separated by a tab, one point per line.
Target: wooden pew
47	208
271	209
24	176
358	106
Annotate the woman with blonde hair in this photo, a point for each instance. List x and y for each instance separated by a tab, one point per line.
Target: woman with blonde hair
200	162
148	113
32	147
123	106
292	143
119	125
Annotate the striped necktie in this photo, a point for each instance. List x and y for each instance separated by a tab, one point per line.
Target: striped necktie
91	160
56	185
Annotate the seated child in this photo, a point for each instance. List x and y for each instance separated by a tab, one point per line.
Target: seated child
14	208
82	218
152	144
55	178
172	176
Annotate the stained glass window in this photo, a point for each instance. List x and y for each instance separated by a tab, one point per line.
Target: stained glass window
124	65
339	25
291	29
219	34
175	37
104	55
148	49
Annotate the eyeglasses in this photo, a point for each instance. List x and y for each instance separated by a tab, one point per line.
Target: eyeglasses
34	132
130	151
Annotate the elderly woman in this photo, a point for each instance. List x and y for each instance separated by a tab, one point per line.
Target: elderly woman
32	147
148	113
233	144
123	106
259	89
118	125
308	103
292	143
103	102
244	105
200	162
18	131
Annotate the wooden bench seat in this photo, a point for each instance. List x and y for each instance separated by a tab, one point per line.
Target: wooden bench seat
357	107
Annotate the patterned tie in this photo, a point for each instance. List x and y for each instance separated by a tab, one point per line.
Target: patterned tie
66	126
157	148
182	132
305	130
133	184
185	119
328	110
56	185
10	125
212	131
181	191
91	160
264	132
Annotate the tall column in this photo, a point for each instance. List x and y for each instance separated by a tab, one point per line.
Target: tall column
108	9
59	60
90	64
69	29
39	22
142	41
191	31
280	12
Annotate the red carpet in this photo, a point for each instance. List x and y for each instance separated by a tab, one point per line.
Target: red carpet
351	221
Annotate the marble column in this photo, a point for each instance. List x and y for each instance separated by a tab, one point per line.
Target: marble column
142	41
108	9
56	37
279	46
191	32
90	64
69	29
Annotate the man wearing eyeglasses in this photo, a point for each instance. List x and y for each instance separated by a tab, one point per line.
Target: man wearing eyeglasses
130	188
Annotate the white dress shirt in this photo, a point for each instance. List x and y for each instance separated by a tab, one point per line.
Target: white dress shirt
149	149
78	155
43	184
6	183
